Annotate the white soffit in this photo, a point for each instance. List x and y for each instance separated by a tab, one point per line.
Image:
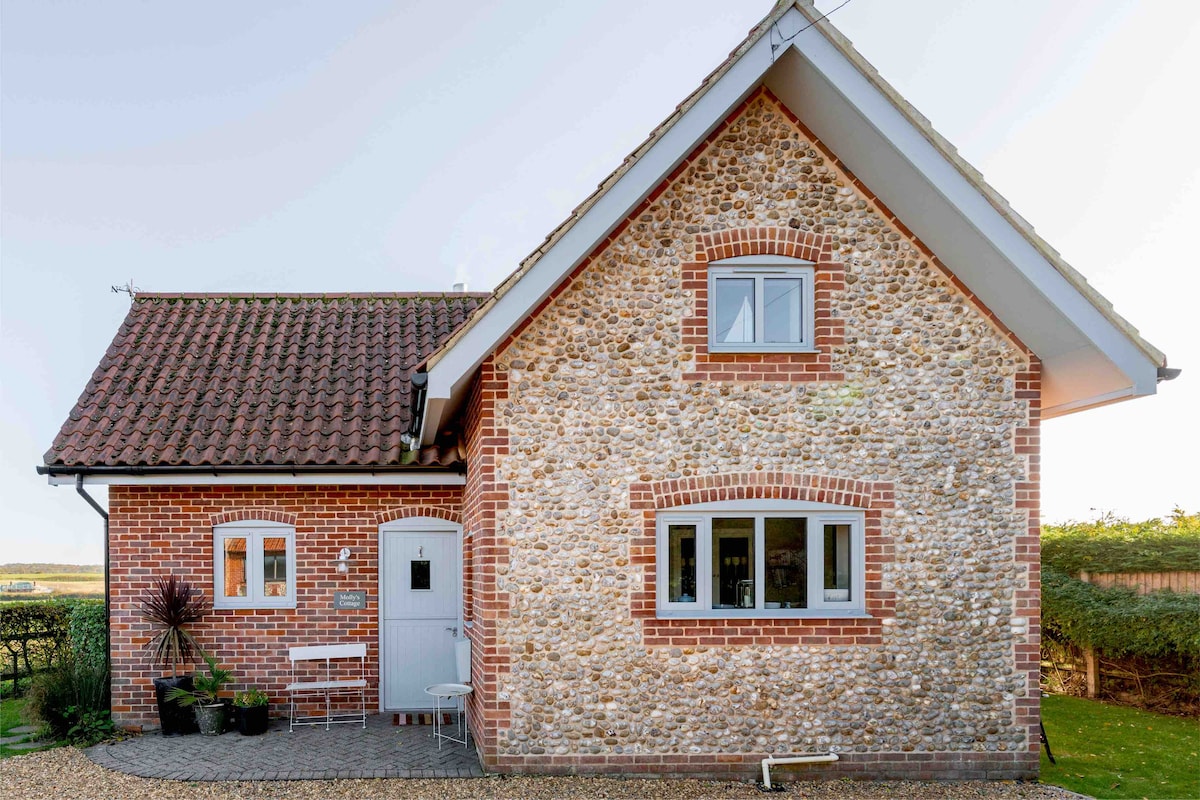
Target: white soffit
1086	359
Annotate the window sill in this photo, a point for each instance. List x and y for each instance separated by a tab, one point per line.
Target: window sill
766	613
760	350
290	604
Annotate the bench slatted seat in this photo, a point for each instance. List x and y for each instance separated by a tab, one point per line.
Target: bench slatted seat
341	679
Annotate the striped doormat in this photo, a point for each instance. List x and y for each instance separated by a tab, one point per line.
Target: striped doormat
425	718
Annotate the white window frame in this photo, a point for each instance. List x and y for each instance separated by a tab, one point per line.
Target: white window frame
818	515
759	268
253	531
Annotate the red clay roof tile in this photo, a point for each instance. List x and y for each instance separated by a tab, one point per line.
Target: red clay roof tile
246	380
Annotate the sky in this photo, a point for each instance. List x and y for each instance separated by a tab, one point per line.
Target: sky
410	145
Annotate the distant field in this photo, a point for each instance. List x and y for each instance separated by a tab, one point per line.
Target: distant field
60	584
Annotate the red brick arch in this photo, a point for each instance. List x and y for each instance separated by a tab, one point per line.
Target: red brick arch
437	512
764	241
669	493
254	515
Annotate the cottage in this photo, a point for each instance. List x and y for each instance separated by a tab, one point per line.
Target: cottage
742	460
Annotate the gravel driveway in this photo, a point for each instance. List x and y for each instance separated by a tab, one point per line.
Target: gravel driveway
66	774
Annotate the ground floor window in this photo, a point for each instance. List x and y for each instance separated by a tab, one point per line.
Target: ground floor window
739	562
254	565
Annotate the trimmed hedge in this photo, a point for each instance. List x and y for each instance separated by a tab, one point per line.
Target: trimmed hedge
36	633
1115	545
1119	621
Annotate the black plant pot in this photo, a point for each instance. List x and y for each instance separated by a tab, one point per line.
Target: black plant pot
174	718
252	720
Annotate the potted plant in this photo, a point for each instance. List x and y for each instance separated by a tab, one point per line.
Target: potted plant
205	697
251	710
170	605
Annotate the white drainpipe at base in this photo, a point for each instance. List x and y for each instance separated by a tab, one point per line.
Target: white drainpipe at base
816	758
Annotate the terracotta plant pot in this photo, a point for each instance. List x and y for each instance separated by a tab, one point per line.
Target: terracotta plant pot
252	720
172	717
211	719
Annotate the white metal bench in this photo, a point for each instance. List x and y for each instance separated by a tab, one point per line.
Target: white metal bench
341	679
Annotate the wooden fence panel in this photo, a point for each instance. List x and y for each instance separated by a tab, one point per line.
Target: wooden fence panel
1147	582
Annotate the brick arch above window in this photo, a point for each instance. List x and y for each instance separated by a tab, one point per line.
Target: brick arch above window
764	241
254	515
674	492
875	498
437	512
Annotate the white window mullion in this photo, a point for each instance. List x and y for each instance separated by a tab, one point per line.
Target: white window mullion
816	563
254	567
760	311
760	561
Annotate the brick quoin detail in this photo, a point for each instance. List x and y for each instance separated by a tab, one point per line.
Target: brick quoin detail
1028	553
873	497
484	551
168	530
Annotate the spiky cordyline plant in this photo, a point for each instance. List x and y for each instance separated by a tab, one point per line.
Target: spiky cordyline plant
170	605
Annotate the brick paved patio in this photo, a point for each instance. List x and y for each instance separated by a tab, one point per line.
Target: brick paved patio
381	750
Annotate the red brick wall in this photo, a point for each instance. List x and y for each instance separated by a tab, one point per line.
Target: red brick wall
162	530
483	551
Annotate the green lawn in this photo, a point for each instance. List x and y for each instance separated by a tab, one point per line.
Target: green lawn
1114	752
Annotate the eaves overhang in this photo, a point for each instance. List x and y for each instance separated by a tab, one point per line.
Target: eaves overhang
1090	355
251	475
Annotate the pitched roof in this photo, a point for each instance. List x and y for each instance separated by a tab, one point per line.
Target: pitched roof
223	380
1090	354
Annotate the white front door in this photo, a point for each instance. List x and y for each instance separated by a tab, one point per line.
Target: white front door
420	609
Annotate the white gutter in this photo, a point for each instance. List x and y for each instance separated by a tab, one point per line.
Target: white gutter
816	758
266	479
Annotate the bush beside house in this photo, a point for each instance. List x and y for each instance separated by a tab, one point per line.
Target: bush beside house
1110	640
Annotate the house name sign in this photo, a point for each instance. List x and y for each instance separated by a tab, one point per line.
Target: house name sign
347	601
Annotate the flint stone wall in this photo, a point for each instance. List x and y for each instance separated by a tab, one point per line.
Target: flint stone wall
929	399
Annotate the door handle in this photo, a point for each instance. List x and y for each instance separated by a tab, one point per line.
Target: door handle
453	631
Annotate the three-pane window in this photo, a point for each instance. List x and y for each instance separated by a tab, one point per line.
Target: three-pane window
746	563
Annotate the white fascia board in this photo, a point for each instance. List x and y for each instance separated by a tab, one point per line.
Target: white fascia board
905	139
448	377
248	479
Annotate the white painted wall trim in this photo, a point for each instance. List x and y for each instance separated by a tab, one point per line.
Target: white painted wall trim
239	479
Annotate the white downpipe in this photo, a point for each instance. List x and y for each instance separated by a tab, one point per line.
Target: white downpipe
816	758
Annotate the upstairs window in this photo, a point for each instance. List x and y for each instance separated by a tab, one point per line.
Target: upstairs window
254	565
760	304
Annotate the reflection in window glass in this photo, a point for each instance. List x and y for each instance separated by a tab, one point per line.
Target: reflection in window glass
781	310
735	310
837	563
786	542
235	567
274	566
681	575
733	563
